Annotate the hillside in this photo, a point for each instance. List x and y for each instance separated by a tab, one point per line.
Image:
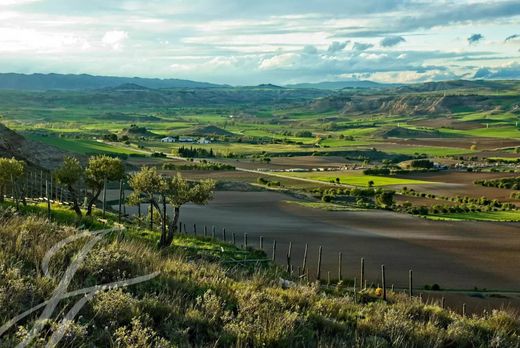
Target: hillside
84	81
204	293
37	154
413	104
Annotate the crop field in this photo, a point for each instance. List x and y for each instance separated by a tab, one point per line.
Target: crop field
357	179
81	146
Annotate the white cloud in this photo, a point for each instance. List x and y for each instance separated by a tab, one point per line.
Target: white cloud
114	38
281	61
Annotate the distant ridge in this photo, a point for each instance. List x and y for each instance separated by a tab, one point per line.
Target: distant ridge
84	81
337	85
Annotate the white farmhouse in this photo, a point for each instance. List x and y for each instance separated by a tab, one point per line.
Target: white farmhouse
168	140
186	140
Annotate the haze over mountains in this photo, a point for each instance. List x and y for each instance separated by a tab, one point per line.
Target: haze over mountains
85	81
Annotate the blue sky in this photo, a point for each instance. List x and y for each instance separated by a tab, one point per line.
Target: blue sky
245	42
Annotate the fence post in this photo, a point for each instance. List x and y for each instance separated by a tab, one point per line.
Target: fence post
261	243
245	240
464	310
48	200
120	199
184	228
304	265
318	272
234	238
289	258
194	229
362	275
274	251
205	231
224	236
105	202
213	231
383	281
164	217
443	302
410	283
340	261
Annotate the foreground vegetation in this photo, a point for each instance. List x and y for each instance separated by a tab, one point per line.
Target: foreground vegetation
201	299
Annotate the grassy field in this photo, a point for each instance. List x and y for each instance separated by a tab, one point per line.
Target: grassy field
81	146
206	293
478	216
356	179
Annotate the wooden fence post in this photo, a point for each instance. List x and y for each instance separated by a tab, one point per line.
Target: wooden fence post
195	229
362	273
48	200
304	265
105	201
383	281
205	231
274	251
119	212
464	310
410	283
224	236
233	236
213	231
289	258
340	261
443	302
318	271
261	243
164	217
245	240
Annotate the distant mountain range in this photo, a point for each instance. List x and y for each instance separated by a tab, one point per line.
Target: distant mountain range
83	81
337	85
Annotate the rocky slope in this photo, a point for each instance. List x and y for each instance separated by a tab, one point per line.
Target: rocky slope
34	153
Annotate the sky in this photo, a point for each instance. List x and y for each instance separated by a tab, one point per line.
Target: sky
248	42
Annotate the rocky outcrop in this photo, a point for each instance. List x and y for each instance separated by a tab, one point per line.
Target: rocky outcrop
34	153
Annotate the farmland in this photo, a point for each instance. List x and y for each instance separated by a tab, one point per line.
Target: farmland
399	188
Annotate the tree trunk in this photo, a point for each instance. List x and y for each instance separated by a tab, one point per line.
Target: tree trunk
75	204
93	200
172	229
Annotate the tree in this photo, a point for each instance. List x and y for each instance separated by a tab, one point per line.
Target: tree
371	183
385	198
10	170
179	191
146	184
101	169
69	174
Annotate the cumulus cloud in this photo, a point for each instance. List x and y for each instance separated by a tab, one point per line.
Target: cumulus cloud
337	46
310	49
391	41
114	39
360	46
475	38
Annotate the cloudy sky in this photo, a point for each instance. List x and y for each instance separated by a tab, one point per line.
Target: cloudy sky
269	41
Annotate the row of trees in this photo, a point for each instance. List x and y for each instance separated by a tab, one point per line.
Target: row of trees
149	187
505	183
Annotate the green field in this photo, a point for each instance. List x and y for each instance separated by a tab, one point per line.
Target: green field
478	216
356	179
81	146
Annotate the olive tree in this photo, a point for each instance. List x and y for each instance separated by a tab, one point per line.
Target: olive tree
69	174
101	169
146	185
179	191
10	170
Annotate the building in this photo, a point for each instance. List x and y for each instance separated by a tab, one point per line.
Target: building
204	141
186	140
168	140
